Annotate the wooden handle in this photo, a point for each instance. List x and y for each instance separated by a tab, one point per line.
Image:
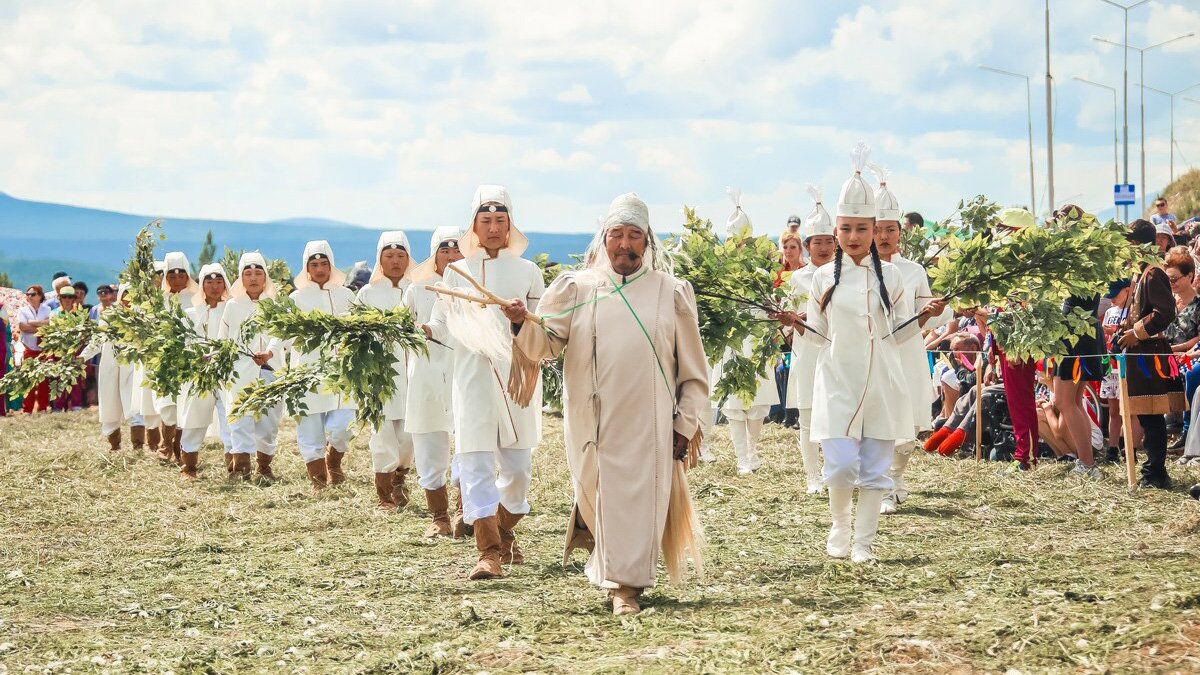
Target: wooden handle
493	300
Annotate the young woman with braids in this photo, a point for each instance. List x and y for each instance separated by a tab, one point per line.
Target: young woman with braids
860	400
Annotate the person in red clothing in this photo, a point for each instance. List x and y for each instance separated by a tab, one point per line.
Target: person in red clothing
29	320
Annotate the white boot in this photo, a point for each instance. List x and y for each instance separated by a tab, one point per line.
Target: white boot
866	523
898	494
740	435
753	433
840	498
810	454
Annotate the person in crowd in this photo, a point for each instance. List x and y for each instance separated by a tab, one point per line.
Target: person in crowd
793	224
177	286
391	445
1184	331
494	435
622	460
1110	386
323	432
428	413
249	436
57	283
792	253
196	408
819	242
1073	374
1151	396
30	318
72	399
1163	216
955	378
81	291
114	385
913	219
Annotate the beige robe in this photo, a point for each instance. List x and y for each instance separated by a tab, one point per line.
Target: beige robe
619	409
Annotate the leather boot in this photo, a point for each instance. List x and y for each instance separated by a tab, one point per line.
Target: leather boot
229	464
840	498
317	473
333	464
383	488
176	444
187	468
399	489
458	527
510	553
625	600
167	449
866	524
154	440
137	436
438	502
487	540
114	441
241	466
263	460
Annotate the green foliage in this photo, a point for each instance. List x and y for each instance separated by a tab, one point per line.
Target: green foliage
66	334
177	356
289	388
208	253
355	352
735	296
6	281
62	374
1039	329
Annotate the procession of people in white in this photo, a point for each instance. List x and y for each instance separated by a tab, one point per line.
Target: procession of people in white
636	384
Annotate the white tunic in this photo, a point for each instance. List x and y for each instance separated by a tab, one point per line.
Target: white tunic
114	383
245	370
804	353
913	356
384	295
196	409
333	299
160	403
429	378
860	390
484	415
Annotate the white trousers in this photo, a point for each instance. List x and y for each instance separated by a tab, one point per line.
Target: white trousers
107	427
904	452
745	427
432	454
192	439
169	415
391	447
850	462
488	479
312	432
251	436
150	421
810	451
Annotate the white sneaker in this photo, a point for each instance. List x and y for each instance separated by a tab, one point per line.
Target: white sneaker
861	554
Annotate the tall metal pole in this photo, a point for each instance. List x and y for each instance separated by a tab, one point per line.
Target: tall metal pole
1142	116
1125	88
1171	95
1113	91
1049	117
1029	127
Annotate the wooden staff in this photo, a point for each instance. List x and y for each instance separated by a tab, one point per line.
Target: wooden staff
979	407
1127	425
492	298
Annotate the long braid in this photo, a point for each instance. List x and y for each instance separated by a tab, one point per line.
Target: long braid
837	277
883	291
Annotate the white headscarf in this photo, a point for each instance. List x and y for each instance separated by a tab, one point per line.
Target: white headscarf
428	268
817	222
251	259
857	200
319	247
887	207
205	272
496	195
178	260
627	209
392	238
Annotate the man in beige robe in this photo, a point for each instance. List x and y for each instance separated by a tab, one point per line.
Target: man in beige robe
635	383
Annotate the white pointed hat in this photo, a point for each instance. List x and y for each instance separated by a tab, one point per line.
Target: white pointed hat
887	207
178	260
857	200
817	222
391	239
493	198
428	267
313	249
252	259
738	223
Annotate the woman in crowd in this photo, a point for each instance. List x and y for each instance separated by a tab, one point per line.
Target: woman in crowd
1184	331
29	319
792	252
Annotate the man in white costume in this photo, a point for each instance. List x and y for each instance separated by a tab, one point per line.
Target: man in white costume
115	390
323	431
819	242
632	399
494	437
913	357
142	401
391	446
248	435
427	412
177	286
196	408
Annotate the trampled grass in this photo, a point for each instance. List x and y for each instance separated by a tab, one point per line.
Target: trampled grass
113	563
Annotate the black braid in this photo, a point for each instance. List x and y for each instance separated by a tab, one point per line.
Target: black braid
883	291
837	277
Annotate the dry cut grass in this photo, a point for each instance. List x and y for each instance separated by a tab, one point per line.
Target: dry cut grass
112	563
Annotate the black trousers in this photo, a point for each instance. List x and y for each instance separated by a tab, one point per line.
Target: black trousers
1155	441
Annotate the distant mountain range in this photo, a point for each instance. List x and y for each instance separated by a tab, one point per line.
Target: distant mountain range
39	239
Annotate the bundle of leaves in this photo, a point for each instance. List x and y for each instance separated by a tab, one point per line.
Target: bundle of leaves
735	295
1039	329
355	353
288	389
176	356
61	374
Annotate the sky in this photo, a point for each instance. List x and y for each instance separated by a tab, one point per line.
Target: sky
388	113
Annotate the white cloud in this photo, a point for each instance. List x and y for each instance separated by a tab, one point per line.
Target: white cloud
576	93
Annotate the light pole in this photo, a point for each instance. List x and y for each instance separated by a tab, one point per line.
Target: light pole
1125	87
1049	119
1029	123
1116	179
1142	98
1171	95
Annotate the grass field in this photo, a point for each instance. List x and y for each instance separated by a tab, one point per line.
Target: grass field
112	563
